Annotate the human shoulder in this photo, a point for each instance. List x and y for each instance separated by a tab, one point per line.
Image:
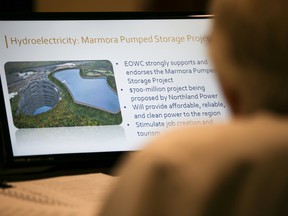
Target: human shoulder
179	169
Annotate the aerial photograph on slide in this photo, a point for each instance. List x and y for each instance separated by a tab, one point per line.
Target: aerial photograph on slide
63	93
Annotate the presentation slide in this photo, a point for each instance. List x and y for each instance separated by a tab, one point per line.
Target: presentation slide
79	86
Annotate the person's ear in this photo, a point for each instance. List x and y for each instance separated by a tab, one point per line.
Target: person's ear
233	99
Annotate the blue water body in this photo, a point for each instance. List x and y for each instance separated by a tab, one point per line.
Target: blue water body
42	110
94	92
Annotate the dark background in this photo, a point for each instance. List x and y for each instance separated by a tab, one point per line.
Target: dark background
99	5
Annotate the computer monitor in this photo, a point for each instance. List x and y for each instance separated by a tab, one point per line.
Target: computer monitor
89	87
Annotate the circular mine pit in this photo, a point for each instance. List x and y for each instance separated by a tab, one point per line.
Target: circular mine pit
38	97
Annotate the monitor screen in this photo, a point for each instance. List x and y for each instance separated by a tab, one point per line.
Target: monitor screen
91	86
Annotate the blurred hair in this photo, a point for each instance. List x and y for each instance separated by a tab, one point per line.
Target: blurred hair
256	33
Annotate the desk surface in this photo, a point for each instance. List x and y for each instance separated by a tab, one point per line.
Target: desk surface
66	195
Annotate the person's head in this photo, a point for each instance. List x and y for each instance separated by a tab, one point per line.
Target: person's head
249	48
